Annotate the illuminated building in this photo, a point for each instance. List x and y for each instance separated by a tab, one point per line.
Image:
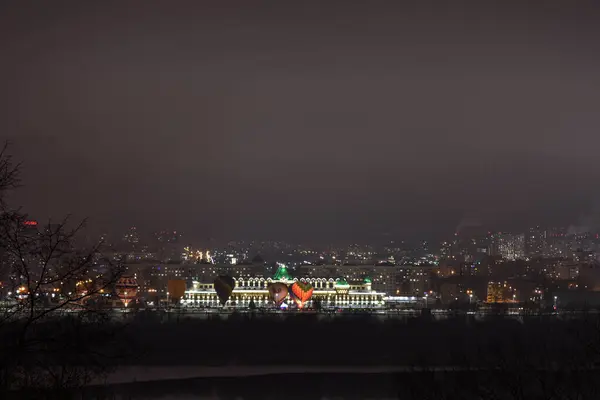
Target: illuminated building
566	271
470	244
495	292
407	280
511	247
500	292
536	242
557	243
589	275
131	236
445	250
331	292
30	223
152	275
168	236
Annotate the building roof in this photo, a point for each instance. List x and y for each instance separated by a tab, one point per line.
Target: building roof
282	273
341	282
367	280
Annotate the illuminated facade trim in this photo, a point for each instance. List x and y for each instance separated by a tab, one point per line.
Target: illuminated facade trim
331	295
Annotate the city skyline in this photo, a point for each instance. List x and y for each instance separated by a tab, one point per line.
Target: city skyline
314	199
471	231
465	227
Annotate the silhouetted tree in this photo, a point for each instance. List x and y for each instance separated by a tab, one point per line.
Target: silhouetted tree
53	335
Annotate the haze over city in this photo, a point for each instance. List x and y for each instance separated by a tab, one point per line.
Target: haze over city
303	121
309	199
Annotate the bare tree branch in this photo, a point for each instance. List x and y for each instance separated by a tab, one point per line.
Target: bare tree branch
9	173
46	271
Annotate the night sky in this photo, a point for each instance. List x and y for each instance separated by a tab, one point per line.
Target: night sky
308	121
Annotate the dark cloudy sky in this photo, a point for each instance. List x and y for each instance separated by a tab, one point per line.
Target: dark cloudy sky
303	120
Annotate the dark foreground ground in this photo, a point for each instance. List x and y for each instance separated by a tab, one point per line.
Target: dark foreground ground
365	340
422	385
495	358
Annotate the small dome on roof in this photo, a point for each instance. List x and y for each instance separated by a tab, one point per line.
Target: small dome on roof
341	282
367	280
282	274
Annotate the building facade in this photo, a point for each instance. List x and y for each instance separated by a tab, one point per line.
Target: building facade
394	280
511	247
501	292
332	293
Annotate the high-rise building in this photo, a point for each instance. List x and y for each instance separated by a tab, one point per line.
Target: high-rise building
535	242
168	236
446	250
557	243
510	246
470	245
131	236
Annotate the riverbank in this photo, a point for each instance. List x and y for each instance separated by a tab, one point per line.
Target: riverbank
143	373
341	383
357	341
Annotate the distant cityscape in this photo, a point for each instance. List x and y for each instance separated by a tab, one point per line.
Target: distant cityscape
542	268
